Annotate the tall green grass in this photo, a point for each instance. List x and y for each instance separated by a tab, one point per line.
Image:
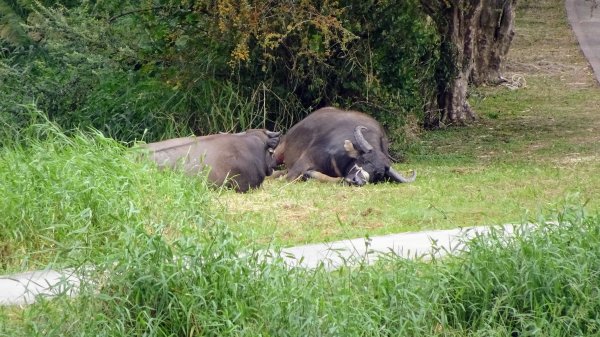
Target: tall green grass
65	196
541	282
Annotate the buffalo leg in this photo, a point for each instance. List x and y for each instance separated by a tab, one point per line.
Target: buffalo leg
321	177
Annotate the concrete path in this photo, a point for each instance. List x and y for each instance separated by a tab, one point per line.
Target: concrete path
424	245
22	289
585	21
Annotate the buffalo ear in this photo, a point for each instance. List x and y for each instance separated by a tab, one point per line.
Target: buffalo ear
352	152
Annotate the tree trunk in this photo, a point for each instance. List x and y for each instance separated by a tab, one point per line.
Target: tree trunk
476	35
496	31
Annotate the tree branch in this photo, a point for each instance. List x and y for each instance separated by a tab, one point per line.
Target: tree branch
431	7
133	12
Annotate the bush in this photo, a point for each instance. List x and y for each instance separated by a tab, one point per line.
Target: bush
157	72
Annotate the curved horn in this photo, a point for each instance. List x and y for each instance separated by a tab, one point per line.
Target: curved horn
397	177
360	139
272	134
273	142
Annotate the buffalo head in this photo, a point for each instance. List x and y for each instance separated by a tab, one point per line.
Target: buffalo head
332	144
369	165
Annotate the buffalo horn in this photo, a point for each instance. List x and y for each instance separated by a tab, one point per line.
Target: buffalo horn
360	139
397	177
272	134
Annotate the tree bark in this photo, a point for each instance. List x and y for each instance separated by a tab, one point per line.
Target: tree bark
495	34
476	35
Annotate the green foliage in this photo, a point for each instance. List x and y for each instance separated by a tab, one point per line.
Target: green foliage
136	70
538	281
11	30
63	196
13	16
379	57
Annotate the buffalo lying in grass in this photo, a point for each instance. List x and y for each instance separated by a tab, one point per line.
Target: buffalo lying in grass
240	160
332	144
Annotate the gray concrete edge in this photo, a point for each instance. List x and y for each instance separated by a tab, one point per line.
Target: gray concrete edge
581	34
25	288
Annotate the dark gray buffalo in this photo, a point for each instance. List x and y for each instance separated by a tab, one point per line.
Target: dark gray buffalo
238	160
331	144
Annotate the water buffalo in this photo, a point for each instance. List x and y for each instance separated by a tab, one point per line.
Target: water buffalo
332	144
238	160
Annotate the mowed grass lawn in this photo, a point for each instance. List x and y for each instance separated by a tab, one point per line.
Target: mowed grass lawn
534	146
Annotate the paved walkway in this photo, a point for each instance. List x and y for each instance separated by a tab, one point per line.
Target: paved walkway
413	245
585	22
20	289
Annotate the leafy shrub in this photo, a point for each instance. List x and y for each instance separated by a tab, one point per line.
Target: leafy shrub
133	71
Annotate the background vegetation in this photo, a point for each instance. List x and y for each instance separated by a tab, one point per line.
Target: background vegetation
151	71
